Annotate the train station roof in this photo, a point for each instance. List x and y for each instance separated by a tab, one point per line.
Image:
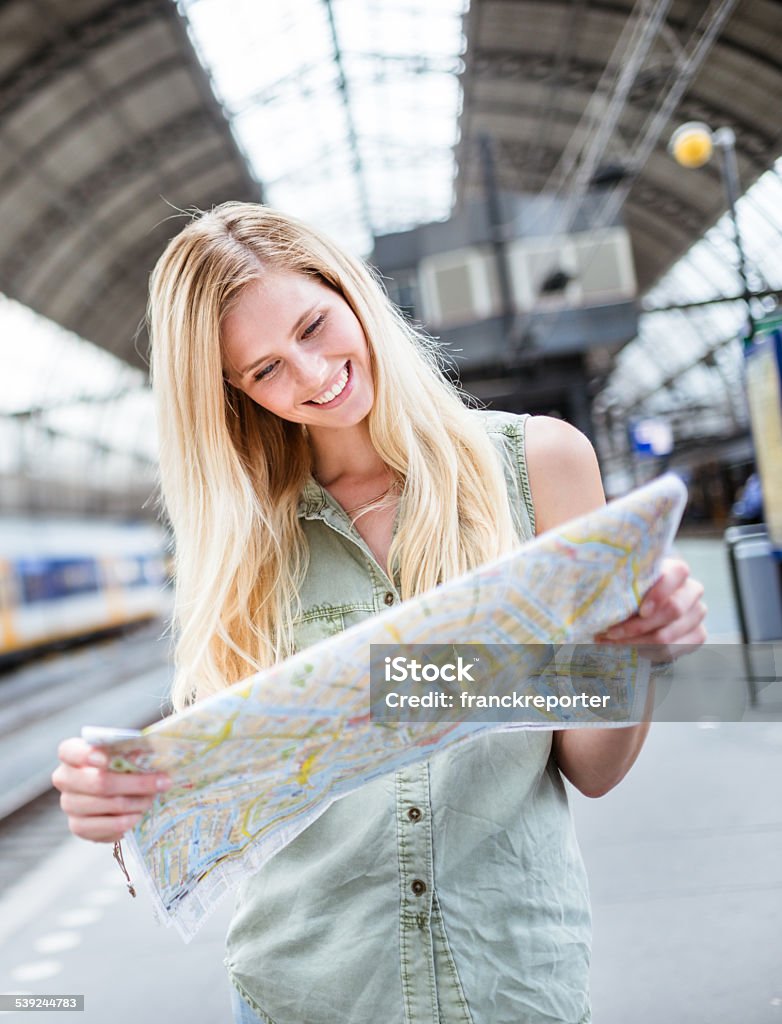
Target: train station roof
108	123
364	118
586	93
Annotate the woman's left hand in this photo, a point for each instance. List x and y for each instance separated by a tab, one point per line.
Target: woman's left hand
670	616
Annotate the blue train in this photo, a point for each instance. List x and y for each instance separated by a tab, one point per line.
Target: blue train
63	580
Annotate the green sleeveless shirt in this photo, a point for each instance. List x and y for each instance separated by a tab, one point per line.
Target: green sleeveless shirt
451	891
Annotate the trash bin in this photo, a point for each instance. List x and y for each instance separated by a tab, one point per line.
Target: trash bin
757	582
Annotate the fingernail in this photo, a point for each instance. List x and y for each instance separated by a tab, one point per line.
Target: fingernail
163	784
646	609
98	759
613	634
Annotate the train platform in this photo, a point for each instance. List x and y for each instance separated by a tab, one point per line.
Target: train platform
123	679
684	860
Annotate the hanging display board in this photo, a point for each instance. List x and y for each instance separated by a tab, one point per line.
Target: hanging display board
764	393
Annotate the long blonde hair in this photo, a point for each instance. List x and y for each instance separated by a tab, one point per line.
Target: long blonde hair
231	472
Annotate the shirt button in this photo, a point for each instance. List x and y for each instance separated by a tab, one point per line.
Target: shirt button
414	814
418	887
389	598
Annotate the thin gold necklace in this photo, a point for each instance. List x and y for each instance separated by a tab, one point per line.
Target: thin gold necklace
371	501
364	504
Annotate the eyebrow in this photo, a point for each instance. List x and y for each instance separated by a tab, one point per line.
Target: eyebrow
294	330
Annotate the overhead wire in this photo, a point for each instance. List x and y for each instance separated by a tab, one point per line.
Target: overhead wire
573	176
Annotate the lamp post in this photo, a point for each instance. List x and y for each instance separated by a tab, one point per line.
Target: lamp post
692	145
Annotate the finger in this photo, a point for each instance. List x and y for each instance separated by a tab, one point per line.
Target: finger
94	782
667	653
692	641
676	631
675	606
77	752
666	628
670	596
682	632
674	573
684	608
82	806
103	830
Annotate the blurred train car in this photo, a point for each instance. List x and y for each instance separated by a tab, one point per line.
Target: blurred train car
64	580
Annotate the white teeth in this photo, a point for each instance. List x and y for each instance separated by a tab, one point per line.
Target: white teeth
337	389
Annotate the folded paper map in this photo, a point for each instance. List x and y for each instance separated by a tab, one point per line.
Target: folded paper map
254	765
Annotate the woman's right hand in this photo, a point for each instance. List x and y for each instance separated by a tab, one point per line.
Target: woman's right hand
101	805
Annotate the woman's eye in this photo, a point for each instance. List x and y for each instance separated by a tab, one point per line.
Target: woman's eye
316	323
266	371
308	332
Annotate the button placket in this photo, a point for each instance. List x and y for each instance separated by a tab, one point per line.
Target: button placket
336	518
413	815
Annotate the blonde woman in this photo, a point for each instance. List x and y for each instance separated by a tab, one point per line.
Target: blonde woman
316	468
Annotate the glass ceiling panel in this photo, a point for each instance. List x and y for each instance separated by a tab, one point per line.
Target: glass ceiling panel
663	368
363	145
90	411
347	112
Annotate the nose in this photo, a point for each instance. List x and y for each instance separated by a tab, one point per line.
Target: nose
311	371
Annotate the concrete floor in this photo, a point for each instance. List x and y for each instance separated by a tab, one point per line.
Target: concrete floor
685	866
685	862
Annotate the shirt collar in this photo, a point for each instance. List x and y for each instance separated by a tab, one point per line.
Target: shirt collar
312	500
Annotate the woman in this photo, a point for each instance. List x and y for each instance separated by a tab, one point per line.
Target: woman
316	468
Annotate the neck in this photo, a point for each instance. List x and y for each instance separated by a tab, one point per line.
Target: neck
342	454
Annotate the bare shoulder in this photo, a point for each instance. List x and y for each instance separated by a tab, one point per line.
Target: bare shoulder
563	472
549	437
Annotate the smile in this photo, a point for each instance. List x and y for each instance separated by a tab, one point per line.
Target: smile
335	389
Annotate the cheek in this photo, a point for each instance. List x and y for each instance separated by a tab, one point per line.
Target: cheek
267	401
275	399
347	326
362	346
261	396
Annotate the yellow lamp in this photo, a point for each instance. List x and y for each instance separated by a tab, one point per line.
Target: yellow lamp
692	144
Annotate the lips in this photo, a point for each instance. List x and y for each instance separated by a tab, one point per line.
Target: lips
338	388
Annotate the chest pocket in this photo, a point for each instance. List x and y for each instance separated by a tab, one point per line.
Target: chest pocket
318	623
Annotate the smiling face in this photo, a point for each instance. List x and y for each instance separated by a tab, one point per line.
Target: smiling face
295	347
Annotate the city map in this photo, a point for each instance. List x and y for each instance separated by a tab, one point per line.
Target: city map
254	765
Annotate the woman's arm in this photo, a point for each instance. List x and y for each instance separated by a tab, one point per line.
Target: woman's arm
565	483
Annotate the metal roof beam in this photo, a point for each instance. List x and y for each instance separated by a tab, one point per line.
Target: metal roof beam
41	67
549	112
342	84
67	207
